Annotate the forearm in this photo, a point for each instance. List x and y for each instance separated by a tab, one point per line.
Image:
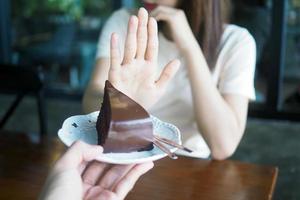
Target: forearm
92	100
215	119
93	94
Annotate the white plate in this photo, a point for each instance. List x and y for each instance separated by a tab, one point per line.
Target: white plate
83	127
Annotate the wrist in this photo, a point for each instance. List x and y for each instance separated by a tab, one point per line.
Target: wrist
67	183
193	53
195	59
191	48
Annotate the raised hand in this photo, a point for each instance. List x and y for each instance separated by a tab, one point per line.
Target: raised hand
136	74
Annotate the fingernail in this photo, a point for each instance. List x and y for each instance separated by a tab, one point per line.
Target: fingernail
114	40
143	10
152	165
133	19
115	36
98	148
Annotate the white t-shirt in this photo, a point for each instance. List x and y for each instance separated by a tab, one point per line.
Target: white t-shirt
233	74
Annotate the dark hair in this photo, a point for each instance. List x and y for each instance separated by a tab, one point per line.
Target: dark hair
206	18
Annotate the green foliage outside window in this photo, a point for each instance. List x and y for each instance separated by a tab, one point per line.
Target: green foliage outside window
72	8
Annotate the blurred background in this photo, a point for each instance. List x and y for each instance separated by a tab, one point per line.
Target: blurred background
47	52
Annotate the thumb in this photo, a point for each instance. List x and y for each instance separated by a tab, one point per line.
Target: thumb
168	73
78	153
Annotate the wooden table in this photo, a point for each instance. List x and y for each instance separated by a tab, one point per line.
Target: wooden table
24	166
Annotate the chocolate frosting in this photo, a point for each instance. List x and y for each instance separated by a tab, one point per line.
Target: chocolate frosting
123	125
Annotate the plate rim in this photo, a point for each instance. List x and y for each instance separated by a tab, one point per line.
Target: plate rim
106	159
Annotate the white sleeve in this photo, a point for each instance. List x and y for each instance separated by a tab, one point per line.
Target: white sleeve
117	23
239	67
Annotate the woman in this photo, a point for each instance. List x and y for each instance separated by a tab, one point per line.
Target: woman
208	97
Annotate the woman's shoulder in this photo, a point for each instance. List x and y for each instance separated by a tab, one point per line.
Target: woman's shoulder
121	14
236	35
236	39
117	21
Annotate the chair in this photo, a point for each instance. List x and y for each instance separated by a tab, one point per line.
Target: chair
22	81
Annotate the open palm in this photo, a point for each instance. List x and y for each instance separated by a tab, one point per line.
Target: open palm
136	74
111	182
77	175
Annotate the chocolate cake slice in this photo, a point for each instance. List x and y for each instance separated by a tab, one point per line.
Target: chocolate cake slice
123	125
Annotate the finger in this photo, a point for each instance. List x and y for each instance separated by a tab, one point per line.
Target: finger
99	193
78	153
164	10
127	182
107	195
168	73
142	33
130	43
152	45
114	52
93	172
162	17
114	175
